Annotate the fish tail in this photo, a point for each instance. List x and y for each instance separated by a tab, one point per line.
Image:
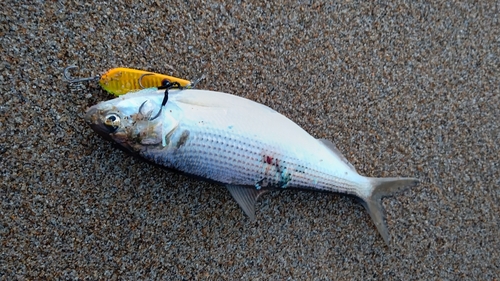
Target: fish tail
383	187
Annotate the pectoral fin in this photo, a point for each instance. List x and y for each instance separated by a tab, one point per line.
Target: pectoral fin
246	196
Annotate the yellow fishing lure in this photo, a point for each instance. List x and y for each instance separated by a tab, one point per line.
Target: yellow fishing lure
120	80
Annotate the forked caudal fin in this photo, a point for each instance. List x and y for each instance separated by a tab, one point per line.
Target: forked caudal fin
383	187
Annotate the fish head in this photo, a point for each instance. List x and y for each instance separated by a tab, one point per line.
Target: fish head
133	121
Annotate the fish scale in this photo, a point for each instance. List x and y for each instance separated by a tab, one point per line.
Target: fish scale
241	144
220	156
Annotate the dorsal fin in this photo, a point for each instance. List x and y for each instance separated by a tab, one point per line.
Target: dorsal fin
217	100
246	196
335	150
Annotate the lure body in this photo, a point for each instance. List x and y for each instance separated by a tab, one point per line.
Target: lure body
120	80
244	145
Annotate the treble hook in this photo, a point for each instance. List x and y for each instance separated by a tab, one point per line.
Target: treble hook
165	84
68	77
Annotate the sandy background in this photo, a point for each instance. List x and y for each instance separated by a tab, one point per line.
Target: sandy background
402	89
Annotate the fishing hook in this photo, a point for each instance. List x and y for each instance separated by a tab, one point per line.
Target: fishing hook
68	77
165	84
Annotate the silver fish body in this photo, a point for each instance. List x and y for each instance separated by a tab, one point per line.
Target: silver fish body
244	145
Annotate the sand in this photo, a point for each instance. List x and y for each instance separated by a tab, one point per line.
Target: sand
402	89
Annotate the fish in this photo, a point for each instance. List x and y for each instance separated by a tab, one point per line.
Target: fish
243	145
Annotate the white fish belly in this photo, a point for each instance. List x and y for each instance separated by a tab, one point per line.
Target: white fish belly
236	151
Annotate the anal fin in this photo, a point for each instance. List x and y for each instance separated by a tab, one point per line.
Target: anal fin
246	196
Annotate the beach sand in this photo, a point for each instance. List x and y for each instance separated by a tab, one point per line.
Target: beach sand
402	89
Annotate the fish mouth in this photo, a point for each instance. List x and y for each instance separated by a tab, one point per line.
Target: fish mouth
114	134
92	116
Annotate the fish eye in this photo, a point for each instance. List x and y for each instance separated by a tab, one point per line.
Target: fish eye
112	121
